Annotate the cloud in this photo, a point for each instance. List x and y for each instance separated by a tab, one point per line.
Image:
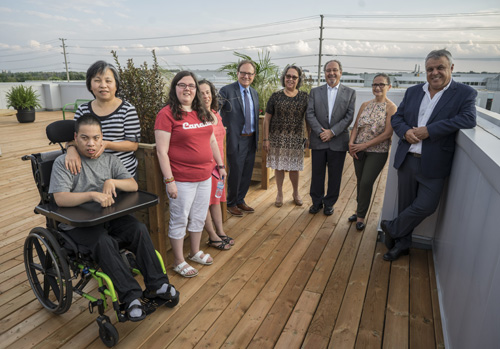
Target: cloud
49	16
182	49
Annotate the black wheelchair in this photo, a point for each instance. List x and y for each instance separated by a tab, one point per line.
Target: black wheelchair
53	260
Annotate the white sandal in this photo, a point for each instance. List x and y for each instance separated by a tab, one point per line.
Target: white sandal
181	269
196	258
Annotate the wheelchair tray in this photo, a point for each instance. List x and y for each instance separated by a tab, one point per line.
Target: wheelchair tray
91	213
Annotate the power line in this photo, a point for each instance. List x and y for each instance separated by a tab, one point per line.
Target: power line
450	42
29	59
415	29
205	33
425	15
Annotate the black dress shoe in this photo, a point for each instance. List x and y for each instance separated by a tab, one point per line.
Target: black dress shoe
328	211
388	240
394	253
315	208
360	226
353	218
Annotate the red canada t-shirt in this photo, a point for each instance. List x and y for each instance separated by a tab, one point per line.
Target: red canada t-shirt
190	154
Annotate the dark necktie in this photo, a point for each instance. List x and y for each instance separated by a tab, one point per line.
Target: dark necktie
248	117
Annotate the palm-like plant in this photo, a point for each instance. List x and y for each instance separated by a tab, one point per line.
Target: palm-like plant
266	79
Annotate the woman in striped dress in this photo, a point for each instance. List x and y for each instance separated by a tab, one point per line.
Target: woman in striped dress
120	124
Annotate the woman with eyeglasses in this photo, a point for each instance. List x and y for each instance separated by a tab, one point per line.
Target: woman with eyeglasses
284	132
370	142
188	153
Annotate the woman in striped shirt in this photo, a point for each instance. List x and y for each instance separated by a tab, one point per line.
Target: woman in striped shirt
120	124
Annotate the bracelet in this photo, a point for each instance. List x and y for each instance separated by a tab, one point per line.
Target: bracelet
69	146
168	180
220	166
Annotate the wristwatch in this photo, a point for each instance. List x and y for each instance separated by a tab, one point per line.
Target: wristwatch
220	166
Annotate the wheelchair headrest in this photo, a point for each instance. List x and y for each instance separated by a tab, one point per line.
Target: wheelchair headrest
61	131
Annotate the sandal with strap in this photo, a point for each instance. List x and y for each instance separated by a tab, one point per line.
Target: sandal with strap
182	270
220	245
226	239
136	318
197	258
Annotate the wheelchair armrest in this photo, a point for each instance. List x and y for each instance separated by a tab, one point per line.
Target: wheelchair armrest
91	213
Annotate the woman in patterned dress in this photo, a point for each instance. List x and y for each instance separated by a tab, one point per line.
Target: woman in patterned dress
284	132
216	237
370	142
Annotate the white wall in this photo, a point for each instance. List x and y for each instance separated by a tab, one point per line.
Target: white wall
53	95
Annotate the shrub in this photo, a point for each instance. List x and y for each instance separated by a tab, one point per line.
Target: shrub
145	88
21	97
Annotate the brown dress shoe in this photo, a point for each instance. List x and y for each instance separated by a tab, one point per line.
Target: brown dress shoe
245	208
235	211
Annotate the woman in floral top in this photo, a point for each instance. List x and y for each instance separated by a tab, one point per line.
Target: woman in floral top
370	142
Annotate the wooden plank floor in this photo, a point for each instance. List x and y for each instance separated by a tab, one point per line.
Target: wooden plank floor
292	280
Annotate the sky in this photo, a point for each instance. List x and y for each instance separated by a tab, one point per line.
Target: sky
365	35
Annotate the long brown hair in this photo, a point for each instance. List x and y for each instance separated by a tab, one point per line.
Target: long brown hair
197	105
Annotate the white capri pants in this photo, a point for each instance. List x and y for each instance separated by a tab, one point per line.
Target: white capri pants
190	208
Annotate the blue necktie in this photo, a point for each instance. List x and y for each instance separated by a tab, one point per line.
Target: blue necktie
248	117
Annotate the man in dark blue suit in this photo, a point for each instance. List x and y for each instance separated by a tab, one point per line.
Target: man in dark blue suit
427	121
240	116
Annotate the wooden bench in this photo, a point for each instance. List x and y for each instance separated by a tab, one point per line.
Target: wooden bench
73	106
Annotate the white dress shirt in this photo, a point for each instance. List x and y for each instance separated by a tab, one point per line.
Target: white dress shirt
426	108
332	95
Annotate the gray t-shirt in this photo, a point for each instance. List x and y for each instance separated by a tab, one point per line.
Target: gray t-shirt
92	176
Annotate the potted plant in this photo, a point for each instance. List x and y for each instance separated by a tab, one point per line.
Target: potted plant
24	100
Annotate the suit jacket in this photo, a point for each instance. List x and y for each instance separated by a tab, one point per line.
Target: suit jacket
233	116
342	115
455	110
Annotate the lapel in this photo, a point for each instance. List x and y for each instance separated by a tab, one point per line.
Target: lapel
238	94
324	95
336	106
445	98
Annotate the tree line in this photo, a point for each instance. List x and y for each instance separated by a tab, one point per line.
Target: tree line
40	76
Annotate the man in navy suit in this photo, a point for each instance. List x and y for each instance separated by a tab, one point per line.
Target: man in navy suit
427	121
240	116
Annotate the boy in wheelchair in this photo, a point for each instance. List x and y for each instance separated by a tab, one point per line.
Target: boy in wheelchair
99	180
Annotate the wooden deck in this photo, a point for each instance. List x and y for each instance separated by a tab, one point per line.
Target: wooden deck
292	280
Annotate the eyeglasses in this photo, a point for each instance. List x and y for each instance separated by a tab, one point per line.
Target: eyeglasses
379	85
183	86
245	73
293	77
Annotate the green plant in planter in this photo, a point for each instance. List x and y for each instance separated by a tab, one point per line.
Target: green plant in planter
267	76
145	88
24	100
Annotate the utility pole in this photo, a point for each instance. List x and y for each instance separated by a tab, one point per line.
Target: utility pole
65	60
320	49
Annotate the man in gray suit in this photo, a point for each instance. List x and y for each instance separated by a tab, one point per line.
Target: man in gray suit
240	116
329	113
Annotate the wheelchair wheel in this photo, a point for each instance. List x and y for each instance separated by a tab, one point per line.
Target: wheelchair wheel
108	334
48	271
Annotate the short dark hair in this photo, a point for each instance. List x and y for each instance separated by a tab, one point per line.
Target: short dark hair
247	61
384	75
213	92
100	67
299	71
436	54
330	61
87	119
198	106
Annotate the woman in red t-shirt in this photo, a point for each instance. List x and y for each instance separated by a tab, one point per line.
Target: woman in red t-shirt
186	148
216	237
